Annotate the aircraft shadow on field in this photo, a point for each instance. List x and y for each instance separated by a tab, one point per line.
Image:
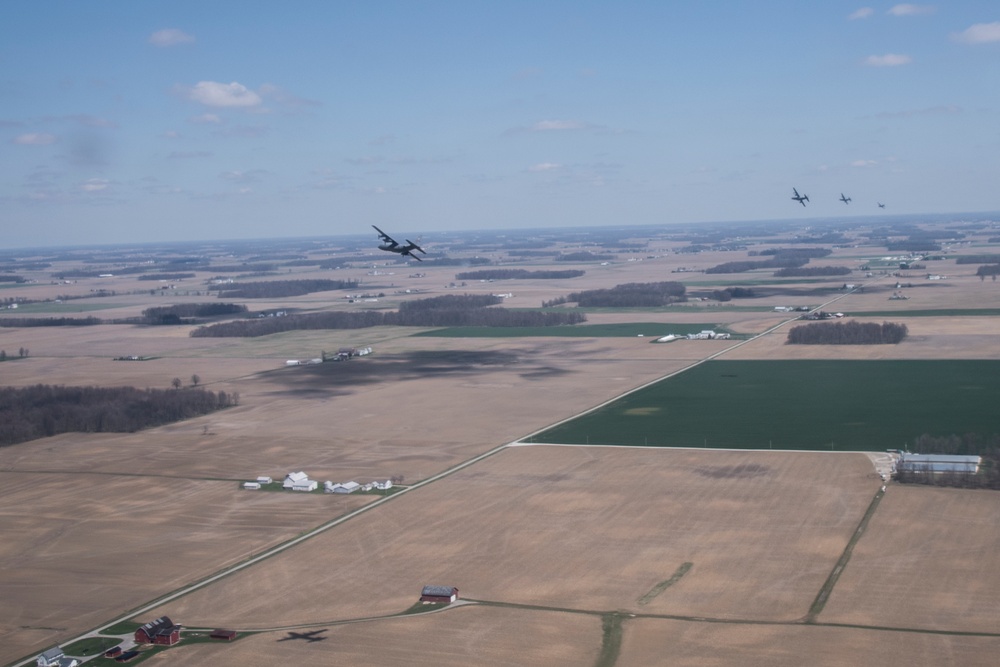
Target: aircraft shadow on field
338	378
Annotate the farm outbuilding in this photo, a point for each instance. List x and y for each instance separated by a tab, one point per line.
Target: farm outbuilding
439	594
294	477
49	658
251	485
161	631
223	635
306	485
938	463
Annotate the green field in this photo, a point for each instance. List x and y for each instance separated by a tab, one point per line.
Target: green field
814	405
625	330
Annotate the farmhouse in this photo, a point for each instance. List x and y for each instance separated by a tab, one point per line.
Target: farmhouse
439	594
161	631
938	463
50	658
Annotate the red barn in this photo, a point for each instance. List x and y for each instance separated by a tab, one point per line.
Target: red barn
439	594
224	635
161	631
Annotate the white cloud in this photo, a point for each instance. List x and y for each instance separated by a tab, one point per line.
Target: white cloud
95	185
980	33
907	9
34	139
888	60
169	37
862	13
544	166
864	163
214	94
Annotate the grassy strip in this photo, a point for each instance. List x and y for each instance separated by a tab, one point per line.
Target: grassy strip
91	646
611	641
838	569
664	585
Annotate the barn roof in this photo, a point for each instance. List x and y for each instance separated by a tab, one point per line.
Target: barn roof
154	628
439	591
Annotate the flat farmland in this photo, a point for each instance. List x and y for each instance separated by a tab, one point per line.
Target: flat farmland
928	560
468	635
573	527
92	546
415	407
686	644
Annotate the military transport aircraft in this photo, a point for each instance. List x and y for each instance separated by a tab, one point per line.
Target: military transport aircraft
392	245
308	636
846	200
802	199
881	205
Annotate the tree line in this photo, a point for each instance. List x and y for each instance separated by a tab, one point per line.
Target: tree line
177	313
28	413
49	321
776	262
847	333
281	288
627	295
510	274
811	253
451	310
730	293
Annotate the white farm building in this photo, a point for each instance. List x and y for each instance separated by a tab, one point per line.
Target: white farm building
293	477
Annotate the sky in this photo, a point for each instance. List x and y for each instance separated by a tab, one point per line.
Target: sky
146	121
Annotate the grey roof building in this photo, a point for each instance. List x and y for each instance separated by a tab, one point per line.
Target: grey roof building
937	463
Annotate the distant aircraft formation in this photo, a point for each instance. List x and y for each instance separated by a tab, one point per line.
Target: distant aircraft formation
802	199
389	244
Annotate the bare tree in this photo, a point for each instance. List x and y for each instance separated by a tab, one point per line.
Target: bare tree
195	380
176	383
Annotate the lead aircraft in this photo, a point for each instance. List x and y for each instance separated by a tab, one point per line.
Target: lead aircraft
802	199
390	244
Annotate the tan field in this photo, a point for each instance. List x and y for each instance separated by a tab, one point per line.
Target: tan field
935	548
118	520
685	644
584	528
470	635
94	546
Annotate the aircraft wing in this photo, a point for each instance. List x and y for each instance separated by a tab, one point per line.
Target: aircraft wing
385	237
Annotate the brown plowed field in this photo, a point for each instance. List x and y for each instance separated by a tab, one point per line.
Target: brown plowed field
928	560
584	528
79	548
469	635
685	644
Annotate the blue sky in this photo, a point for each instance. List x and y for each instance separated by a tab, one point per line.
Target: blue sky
163	121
